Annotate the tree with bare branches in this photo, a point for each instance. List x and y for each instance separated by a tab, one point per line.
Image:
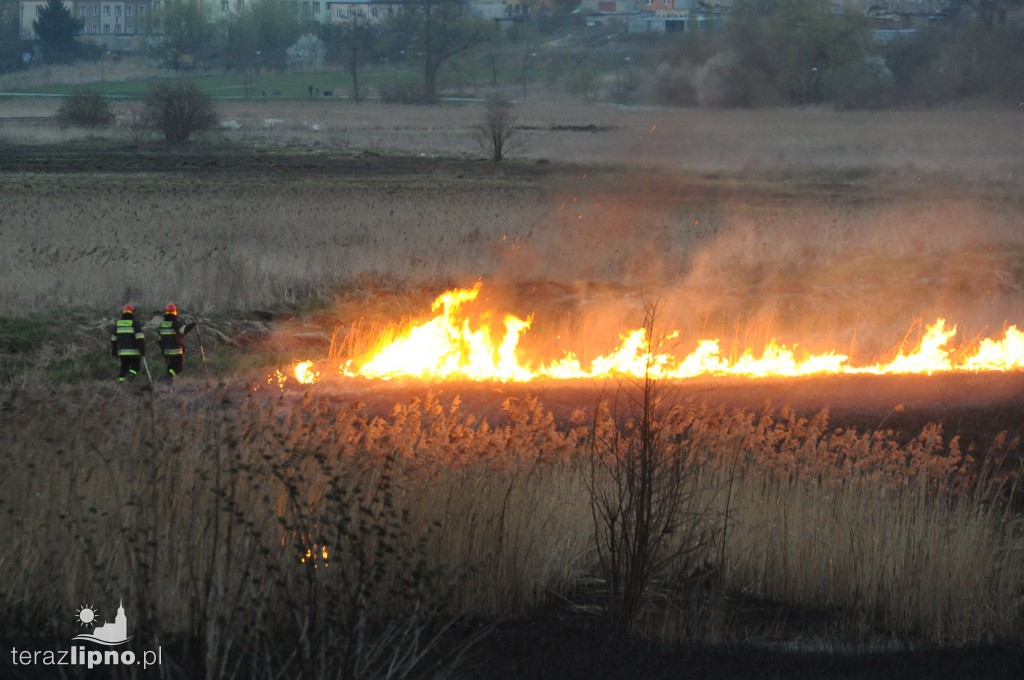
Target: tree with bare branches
648	498
435	31
495	132
177	109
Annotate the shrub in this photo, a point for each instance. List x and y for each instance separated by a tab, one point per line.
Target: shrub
648	501
798	52
401	93
582	82
179	109
85	108
137	128
495	131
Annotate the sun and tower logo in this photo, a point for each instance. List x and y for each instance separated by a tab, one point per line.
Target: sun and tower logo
113	633
108	633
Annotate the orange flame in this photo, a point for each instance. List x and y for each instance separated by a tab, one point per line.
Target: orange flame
451	346
305	374
446	346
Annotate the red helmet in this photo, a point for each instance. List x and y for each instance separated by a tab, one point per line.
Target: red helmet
128	309
171	308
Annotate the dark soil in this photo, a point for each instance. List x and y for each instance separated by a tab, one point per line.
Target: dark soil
552	646
62	159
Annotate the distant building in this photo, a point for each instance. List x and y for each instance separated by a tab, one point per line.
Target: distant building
655	16
120	24
351	11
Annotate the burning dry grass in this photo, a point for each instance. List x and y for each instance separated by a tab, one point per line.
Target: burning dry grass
239	525
834	265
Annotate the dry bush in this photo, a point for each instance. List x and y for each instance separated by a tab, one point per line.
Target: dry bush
496	131
649	501
178	110
137	128
85	108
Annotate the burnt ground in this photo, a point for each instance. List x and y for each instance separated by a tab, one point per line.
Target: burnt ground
555	646
763	186
232	161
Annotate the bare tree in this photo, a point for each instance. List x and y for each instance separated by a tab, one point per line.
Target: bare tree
137	128
496	131
436	31
647	497
178	109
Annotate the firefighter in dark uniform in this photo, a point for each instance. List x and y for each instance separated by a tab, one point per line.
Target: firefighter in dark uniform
128	343
172	340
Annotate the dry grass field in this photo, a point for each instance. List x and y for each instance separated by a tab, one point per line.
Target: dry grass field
259	532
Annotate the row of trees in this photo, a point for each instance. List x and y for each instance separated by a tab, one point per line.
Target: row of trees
798	52
768	52
434	31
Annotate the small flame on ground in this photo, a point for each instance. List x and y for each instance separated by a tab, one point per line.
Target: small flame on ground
316	555
452	346
305	374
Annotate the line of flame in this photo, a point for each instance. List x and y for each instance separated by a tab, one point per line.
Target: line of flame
449	346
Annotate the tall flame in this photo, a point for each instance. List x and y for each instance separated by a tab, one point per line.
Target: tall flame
446	346
452	346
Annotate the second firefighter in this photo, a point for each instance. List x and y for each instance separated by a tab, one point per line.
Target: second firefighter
172	340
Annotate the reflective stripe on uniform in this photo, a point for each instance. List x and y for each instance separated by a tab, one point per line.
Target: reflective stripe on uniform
128	338
170	338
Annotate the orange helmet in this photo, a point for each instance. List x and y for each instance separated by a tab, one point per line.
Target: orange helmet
128	309
171	308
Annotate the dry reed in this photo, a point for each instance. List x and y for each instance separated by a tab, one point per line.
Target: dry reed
211	511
